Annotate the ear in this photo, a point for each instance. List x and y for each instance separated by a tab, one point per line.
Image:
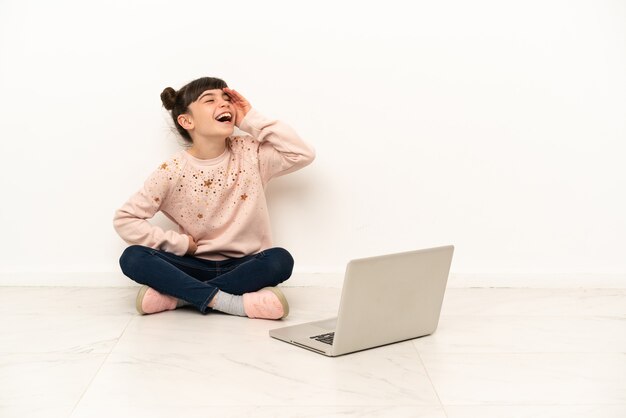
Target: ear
185	121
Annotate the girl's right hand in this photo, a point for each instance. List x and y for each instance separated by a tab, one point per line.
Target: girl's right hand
193	247
242	106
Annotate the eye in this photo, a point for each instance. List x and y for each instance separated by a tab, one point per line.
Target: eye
208	101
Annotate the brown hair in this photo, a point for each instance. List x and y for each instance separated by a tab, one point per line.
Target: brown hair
177	102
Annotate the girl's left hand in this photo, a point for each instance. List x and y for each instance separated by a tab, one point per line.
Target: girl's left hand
241	105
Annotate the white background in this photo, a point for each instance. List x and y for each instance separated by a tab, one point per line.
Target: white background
497	127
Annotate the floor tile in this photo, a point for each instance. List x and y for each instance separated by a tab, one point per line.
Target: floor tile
36	411
68	300
537	411
309	411
32	382
48	333
513	334
531	302
261	373
498	352
528	378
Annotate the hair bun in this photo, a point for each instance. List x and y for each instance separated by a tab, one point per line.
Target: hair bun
168	97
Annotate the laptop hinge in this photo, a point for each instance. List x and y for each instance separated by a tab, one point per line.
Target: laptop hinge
308	347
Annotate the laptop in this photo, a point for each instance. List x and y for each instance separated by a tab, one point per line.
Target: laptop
384	300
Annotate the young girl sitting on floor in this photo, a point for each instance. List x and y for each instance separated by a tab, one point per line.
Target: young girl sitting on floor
222	257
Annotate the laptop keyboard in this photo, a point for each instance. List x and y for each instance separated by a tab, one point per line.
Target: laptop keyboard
325	338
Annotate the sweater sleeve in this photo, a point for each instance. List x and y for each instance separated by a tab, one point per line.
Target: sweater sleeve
130	220
281	150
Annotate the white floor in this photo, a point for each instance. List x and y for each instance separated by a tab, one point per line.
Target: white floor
84	352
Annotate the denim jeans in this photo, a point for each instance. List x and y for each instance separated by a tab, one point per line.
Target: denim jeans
197	280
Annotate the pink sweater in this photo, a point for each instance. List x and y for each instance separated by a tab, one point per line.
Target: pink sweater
220	202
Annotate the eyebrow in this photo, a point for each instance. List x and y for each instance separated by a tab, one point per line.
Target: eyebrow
211	94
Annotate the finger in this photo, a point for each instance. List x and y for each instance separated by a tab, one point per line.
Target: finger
235	93
235	96
231	93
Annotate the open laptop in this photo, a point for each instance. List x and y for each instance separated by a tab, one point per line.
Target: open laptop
384	300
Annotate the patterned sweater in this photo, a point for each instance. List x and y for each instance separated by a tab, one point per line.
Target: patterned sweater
220	202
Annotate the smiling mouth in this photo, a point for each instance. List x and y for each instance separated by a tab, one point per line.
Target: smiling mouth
225	117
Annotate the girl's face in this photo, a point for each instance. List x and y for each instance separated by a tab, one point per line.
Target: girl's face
206	110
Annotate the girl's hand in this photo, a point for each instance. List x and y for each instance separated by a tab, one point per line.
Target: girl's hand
241	105
193	247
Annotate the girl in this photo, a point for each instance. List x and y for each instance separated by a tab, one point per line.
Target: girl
222	257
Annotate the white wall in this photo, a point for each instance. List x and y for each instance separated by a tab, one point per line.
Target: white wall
498	127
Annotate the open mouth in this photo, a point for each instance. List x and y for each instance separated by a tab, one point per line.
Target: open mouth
225	117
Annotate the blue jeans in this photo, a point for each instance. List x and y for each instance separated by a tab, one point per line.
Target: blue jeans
197	280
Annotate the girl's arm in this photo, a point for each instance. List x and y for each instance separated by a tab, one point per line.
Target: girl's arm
281	151
130	220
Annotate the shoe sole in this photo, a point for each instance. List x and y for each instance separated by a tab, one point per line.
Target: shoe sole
281	297
139	299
